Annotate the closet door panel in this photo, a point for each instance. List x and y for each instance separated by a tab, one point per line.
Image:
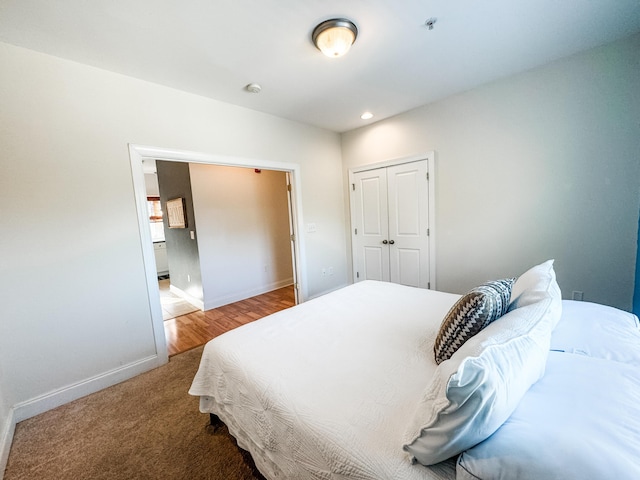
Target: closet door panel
371	224
408	224
405	266
376	265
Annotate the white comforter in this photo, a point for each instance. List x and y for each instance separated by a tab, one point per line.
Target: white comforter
326	389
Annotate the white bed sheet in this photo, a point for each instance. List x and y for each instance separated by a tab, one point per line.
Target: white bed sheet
598	331
326	389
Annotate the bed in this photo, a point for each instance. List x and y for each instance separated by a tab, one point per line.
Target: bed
351	385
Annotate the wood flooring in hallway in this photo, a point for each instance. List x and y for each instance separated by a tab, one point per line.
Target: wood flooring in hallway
197	328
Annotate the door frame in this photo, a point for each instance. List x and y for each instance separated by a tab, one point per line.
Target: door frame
137	153
430	157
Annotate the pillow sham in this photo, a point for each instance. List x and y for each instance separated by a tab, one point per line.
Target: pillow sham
476	390
470	314
580	421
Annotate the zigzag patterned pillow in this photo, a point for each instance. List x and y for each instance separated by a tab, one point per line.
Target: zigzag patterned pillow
473	312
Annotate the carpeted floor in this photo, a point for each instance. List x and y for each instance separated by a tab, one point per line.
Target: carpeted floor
148	427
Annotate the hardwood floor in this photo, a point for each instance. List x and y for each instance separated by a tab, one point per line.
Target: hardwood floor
197	328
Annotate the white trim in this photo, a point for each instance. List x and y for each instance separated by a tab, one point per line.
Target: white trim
324	292
431	170
391	163
55	398
138	152
236	297
6	439
196	302
148	254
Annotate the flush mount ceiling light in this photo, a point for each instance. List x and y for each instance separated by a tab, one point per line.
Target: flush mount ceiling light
334	37
366	116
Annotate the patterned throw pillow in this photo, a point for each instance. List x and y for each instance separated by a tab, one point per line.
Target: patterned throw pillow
473	312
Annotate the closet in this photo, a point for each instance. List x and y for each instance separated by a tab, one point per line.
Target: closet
390	223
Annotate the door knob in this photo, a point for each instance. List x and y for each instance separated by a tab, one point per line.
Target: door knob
384	242
391	242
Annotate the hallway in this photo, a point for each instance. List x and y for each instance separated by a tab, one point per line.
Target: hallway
172	305
196	328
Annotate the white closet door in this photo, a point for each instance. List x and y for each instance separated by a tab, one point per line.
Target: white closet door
408	202
391	224
371	255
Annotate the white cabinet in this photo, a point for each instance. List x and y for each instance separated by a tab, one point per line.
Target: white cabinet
390	219
162	263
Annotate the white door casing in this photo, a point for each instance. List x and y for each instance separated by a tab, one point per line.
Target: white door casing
392	216
137	153
292	235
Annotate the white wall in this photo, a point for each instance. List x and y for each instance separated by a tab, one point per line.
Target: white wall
539	165
243	232
74	298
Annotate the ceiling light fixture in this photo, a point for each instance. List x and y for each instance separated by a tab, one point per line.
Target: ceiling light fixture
334	37
366	116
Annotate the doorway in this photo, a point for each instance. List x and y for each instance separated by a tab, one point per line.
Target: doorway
138	153
242	232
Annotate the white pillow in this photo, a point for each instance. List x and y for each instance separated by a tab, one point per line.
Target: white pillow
476	390
580	421
597	331
532	285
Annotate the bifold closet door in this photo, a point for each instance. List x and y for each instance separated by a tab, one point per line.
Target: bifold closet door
390	235
407	194
371	225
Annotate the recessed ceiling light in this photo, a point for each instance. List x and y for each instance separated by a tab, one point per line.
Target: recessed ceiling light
366	116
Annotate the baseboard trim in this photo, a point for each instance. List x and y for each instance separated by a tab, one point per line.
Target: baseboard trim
6	439
324	292
196	302
48	401
236	297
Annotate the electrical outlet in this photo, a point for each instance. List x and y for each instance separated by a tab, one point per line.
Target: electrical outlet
577	295
330	271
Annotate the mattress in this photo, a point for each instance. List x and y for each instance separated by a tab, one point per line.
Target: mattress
588	402
326	389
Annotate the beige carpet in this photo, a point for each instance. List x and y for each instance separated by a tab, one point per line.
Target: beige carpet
146	428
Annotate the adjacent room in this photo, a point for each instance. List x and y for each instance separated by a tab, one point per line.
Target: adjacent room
230	219
433	147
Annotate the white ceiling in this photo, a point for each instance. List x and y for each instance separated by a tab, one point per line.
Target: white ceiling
215	48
